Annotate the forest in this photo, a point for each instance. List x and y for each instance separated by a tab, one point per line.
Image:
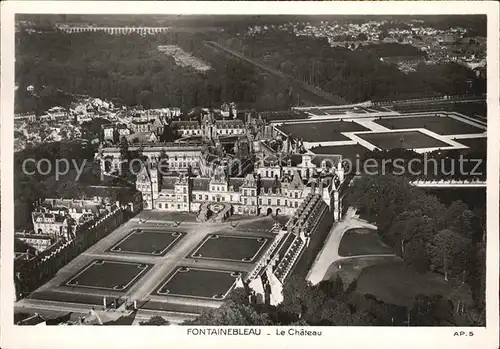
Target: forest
130	70
356	75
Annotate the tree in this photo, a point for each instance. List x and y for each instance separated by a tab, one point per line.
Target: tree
461	297
294	292
458	218
381	197
155	321
231	314
238	296
476	273
415	255
430	311
124	157
336	313
144	99
410	226
448	252
430	206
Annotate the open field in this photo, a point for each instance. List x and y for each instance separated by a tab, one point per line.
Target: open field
356	242
403	139
398	284
442	125
150	242
199	283
322	131
184	59
350	268
229	248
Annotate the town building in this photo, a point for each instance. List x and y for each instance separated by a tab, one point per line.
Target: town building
58	218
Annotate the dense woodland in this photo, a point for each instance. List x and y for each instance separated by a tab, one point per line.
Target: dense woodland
130	70
356	75
427	234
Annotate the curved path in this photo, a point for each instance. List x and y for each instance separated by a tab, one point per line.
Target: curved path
330	252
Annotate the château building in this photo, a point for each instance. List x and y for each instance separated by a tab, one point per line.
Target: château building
271	189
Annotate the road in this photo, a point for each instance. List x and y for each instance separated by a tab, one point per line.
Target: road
308	94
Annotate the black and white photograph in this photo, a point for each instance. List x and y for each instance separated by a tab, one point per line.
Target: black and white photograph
293	171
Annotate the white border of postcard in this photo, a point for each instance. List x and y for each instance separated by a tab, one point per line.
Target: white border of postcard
51	337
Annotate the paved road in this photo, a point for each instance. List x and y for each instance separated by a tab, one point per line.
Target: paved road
309	94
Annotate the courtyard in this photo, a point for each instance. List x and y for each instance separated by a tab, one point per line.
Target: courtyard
109	275
230	248
198	283
149	242
322	131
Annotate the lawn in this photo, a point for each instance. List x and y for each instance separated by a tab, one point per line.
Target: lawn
404	139
358	242
198	283
442	125
398	284
156	243
350	268
475	144
469	108
232	248
109	275
322	131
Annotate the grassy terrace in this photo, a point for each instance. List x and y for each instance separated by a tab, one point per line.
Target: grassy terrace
198	283
476	144
442	125
231	248
108	275
156	243
404	139
322	131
